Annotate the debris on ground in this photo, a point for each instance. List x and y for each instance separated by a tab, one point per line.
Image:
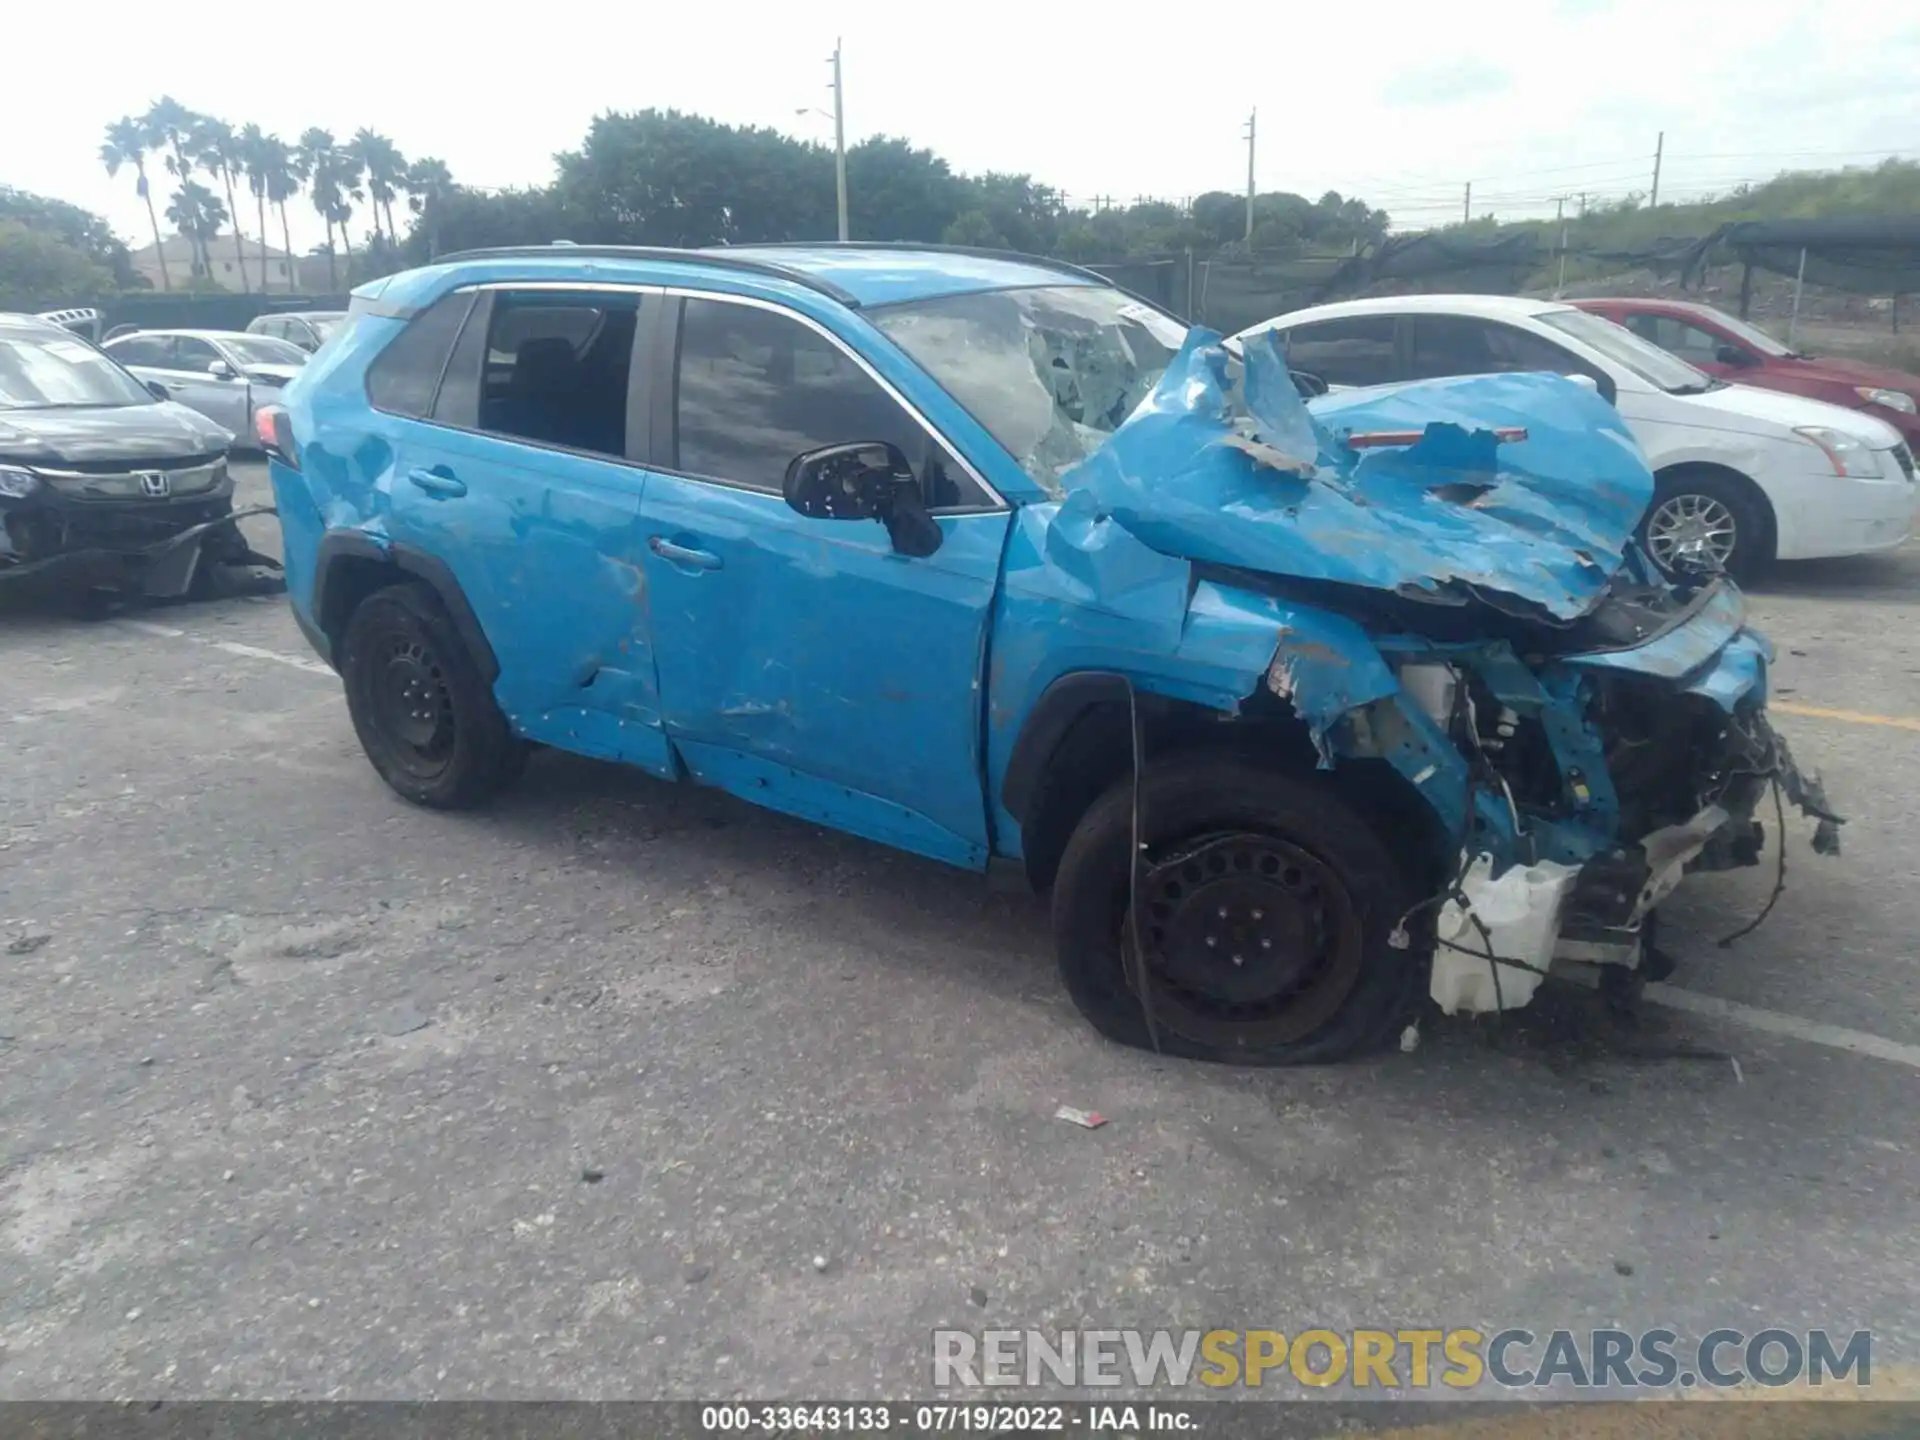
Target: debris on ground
1410	1039
27	944
1085	1119
403	1019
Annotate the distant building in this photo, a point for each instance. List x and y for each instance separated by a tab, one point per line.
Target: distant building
182	264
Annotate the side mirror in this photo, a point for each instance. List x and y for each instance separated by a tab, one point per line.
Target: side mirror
158	391
1732	355
1309	385
220	370
867	480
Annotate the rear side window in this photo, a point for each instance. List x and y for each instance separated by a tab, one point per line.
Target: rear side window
557	369
154	350
405	376
1355	351
1461	345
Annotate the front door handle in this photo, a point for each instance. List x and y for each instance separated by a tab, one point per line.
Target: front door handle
437	482
683	555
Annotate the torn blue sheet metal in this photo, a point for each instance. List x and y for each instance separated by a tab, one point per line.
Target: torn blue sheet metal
1224	463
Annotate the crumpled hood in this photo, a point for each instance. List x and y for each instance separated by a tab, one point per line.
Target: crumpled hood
1224	463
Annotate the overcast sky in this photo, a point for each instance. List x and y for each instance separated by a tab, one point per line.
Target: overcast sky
1401	103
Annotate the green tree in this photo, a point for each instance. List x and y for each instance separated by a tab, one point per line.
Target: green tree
127	143
80	229
39	270
217	149
974	227
663	178
428	182
896	192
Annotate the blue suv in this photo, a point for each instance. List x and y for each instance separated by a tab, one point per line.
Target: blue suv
1297	702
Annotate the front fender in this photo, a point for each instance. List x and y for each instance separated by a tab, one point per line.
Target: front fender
1087	613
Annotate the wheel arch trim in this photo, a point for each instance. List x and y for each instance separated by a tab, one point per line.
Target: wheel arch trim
350	546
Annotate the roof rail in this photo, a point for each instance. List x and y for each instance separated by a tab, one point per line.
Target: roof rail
1040	262
720	259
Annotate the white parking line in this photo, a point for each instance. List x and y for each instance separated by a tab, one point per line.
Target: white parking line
1772	1022
231	647
1814	1032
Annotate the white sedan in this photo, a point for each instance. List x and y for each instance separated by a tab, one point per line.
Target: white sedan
1745	476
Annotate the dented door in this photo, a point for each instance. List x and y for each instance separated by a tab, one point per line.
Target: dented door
529	495
803	662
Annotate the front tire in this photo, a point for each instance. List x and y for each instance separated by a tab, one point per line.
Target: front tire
1701	520
1266	904
425	717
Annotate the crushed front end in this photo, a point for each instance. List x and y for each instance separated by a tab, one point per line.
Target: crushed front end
1456	595
1580	786
147	528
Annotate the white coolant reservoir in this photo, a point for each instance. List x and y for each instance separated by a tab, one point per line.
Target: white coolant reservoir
1521	913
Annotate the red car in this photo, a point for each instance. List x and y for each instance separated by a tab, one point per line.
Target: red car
1718	343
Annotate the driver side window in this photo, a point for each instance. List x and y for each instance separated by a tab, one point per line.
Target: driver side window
754	388
1689	342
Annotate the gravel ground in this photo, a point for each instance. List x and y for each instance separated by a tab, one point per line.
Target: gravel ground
627	1090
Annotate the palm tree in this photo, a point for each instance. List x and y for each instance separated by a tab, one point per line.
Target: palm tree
126	144
348	186
169	126
427	180
286	173
253	156
168	123
198	213
386	170
218	151
318	158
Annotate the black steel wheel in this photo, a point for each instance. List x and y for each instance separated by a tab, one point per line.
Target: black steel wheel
1264	907
424	715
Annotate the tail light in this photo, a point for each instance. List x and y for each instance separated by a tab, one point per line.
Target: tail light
274	432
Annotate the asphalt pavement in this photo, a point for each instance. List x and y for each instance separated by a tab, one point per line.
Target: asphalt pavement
622	1090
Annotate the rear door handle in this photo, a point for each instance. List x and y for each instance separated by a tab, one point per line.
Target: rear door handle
437	482
683	555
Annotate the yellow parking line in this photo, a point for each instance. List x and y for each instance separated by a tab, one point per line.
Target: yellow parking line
1850	717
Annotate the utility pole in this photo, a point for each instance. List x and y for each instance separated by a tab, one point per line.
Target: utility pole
1252	116
1466	205
1560	217
1583	204
1659	147
839	140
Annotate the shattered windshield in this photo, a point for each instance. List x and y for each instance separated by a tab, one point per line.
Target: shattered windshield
1050	372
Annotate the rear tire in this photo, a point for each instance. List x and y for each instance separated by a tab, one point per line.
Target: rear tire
425	717
1267	904
1696	507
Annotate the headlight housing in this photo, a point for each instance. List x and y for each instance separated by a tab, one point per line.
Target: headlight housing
1849	455
17	484
1892	399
